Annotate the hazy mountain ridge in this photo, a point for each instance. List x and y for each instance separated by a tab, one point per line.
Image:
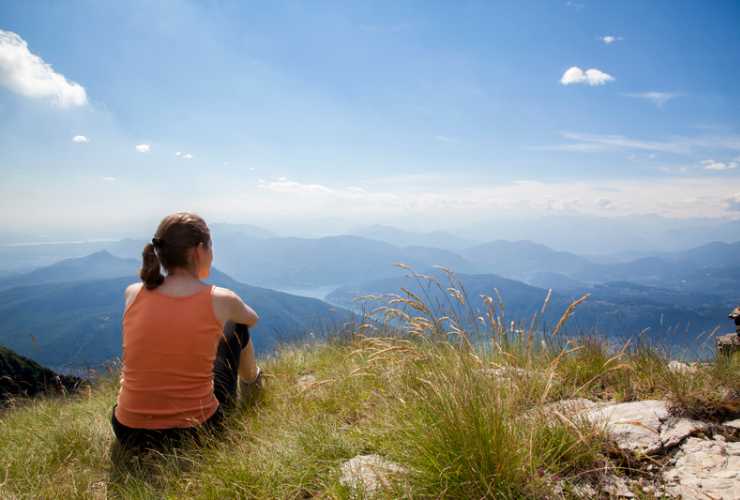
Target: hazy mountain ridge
78	323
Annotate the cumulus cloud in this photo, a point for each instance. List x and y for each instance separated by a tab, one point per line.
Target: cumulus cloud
28	75
610	39
657	98
732	203
143	148
80	139
719	166
184	156
592	77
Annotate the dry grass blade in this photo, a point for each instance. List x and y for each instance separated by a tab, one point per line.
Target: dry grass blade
568	312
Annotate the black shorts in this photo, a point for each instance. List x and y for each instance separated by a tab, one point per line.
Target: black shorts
225	378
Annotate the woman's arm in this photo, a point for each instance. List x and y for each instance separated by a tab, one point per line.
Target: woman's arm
239	312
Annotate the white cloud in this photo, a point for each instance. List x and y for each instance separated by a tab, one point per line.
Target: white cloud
610	39
27	74
184	156
80	139
595	143
446	139
719	166
143	148
109	179
592	77
283	185
732	203
657	98
671	196
674	170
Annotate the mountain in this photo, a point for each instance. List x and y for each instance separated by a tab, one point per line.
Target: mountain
219	229
615	309
314	262
400	237
713	268
78	323
98	265
522	259
557	281
20	376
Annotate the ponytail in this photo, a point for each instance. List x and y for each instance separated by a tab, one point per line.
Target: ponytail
150	272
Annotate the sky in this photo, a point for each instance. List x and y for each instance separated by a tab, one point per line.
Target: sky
419	114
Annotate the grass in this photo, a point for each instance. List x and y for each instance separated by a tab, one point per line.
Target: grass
461	417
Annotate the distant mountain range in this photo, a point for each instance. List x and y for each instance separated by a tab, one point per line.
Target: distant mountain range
402	238
633	294
77	323
618	310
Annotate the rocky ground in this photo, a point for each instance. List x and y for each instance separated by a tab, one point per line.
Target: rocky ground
664	456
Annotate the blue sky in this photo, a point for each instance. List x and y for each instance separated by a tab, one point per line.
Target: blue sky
416	113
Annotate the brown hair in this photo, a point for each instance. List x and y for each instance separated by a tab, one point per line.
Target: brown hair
169	249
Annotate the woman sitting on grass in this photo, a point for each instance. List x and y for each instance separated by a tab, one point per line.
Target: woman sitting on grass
185	343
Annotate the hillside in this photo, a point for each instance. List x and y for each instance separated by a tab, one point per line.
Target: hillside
411	416
77	324
22	377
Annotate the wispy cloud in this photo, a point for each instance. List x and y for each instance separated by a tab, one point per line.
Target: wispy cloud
28	75
446	139
596	143
184	156
719	166
80	139
143	148
592	77
610	39
657	98
109	179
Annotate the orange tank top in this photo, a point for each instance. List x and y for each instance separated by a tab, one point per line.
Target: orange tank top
169	346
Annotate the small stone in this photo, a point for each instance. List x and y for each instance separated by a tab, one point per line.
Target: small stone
728	344
617	487
679	367
305	381
584	491
675	430
506	372
733	423
368	473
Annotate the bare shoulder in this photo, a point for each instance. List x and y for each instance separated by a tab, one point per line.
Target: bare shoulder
224	301
131	292
224	294
133	289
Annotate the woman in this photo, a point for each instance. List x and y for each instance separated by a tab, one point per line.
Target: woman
185	343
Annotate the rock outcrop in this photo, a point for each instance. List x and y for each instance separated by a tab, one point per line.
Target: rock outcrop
642	427
703	469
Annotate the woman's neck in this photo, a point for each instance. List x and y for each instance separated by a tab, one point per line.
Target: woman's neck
182	275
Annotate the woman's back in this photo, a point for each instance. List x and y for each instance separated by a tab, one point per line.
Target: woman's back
169	346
